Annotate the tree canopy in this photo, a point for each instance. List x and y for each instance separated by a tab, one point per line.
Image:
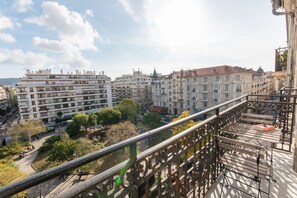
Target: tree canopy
184	126
108	116
152	120
119	132
9	173
81	119
63	150
128	108
92	120
25	129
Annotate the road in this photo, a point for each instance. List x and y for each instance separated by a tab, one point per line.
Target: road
25	163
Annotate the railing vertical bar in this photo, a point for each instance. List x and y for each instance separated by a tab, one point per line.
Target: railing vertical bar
292	123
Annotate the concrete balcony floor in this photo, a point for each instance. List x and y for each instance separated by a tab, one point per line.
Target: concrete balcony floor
285	185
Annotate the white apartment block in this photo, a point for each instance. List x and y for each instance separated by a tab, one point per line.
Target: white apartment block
136	86
3	98
42	95
199	89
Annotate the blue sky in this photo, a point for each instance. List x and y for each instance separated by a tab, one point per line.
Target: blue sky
116	36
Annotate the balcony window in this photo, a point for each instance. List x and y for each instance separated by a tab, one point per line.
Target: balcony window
226	78
205	79
205	96
226	87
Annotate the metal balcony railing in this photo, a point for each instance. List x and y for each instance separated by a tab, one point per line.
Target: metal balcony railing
185	165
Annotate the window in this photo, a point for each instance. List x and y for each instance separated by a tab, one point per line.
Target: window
195	79
237	77
188	88
205	79
216	87
33	103
238	87
226	87
35	115
31	89
226	78
217	78
32	96
205	104
204	87
205	96
226	96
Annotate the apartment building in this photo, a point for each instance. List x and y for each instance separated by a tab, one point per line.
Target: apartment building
199	89
136	86
42	95
3	100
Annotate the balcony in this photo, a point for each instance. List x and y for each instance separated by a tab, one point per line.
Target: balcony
167	169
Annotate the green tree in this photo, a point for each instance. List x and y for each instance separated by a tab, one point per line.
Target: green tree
12	149
48	144
108	116
25	129
73	129
81	119
63	150
92	120
152	120
128	108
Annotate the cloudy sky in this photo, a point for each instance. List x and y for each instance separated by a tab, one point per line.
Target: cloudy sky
116	36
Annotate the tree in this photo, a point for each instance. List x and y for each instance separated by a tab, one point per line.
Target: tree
116	133
26	129
119	132
9	173
108	116
48	144
152	120
92	120
73	129
184	126
81	119
63	150
128	108
12	149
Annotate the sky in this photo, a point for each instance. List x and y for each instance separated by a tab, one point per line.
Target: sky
117	36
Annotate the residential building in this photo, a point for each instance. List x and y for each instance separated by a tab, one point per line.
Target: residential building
199	89
3	101
136	86
42	95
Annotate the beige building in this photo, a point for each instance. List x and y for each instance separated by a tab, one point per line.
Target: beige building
199	89
136	86
42	95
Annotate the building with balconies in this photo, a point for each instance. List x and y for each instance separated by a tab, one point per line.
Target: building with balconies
42	95
199	89
136	86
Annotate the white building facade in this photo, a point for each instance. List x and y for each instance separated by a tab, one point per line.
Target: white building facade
136	86
41	94
199	89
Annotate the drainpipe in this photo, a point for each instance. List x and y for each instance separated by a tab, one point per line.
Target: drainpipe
289	75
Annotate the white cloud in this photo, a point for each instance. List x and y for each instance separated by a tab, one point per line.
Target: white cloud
23	5
75	34
6	23
128	8
8	38
20	58
90	13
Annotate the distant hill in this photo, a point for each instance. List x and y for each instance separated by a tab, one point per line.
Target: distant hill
9	81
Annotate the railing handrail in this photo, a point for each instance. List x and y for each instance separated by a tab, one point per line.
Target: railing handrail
55	171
